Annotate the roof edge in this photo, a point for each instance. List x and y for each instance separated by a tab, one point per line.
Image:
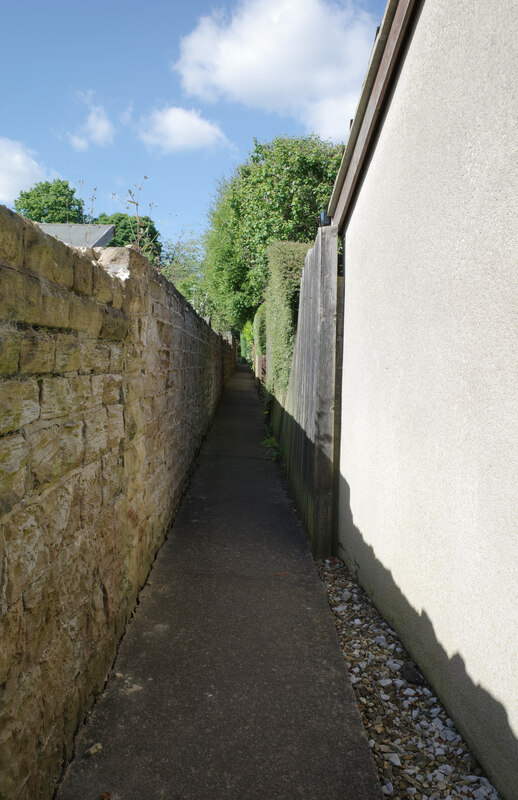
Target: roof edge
385	51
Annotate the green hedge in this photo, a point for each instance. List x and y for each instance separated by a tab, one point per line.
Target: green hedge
285	265
260	331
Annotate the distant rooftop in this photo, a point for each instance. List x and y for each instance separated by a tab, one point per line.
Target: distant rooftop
78	235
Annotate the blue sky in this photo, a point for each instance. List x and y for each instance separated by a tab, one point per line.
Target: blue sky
106	92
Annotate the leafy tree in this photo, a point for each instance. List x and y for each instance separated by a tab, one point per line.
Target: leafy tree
276	194
182	264
225	271
132	230
50	201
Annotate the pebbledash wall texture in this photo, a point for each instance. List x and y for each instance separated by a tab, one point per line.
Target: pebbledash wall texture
108	382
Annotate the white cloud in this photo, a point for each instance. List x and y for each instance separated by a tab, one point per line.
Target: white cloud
18	169
96	129
126	115
79	142
172	129
306	60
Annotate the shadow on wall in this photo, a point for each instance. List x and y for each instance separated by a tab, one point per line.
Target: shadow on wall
479	717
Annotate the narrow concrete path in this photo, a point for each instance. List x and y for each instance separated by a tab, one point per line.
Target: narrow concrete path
233	685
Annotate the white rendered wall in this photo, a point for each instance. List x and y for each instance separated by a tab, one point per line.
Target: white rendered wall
429	446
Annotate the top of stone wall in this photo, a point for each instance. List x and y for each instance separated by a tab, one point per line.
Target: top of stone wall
99	273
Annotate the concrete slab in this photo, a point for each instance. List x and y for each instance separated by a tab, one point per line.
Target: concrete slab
233	685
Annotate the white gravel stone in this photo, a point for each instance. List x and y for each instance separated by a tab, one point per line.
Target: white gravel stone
405	723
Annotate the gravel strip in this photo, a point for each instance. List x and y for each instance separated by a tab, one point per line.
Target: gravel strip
417	751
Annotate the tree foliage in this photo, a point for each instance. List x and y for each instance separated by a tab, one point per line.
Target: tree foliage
276	194
182	264
51	201
56	201
130	229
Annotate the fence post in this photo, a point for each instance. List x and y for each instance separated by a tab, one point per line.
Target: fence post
323	472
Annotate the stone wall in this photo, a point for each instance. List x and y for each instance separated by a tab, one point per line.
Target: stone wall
108	382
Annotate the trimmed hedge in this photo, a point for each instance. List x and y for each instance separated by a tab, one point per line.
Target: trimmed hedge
285	265
260	331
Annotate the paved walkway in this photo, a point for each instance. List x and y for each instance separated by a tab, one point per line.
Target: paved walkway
233	685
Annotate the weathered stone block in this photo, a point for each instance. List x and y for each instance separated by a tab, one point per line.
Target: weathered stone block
13	470
54	310
80	393
90	483
11	236
73	713
21	723
114	260
72	445
50	750
10	342
133	358
114	325
47	256
97	390
78	565
158	292
63	396
83	268
166	335
95	355
19	404
20	296
26	550
115	424
134	457
85	315
55	397
37	353
118	295
102	285
12	636
133	406
59	667
111	389
116	357
62	505
135	300
45	453
42	606
134	329
111	477
151	428
68	353
96	433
